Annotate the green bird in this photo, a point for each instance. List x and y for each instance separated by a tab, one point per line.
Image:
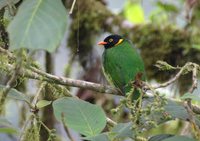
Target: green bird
122	64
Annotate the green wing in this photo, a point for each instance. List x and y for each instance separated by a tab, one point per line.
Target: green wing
121	64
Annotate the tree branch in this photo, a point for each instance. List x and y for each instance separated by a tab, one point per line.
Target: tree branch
66	128
34	73
74	83
188	104
72	7
175	77
14	76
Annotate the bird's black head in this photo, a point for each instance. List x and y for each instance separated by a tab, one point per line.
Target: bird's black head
111	41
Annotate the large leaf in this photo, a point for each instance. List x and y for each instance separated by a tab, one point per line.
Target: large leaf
39	24
15	94
134	12
176	110
179	138
190	96
173	108
160	137
86	118
99	137
43	103
6	127
123	130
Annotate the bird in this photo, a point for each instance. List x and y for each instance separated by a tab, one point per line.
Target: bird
122	64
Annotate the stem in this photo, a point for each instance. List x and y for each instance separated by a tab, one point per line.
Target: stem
188	104
174	78
48	130
35	99
72	7
66	129
10	82
111	122
31	117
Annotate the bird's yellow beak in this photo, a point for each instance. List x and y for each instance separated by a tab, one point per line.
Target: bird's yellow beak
102	43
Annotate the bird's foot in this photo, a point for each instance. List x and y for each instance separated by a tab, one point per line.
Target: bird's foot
138	83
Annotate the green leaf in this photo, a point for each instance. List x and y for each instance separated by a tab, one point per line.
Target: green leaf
179	138
160	137
134	12
190	96
43	103
99	137
8	130
86	118
39	24
196	46
167	7
15	94
158	16
123	130
6	127
176	110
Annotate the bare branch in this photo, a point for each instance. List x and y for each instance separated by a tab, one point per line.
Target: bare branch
72	7
13	78
66	128
174	78
37	74
74	83
111	122
9	54
194	78
188	103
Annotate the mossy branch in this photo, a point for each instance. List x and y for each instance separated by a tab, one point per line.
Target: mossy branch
9	85
35	73
188	67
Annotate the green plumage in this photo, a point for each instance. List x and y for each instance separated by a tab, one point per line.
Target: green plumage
121	63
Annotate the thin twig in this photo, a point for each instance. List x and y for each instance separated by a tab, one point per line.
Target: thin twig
174	78
9	54
36	97
188	103
9	84
47	128
195	109
66	128
194	78
30	118
111	122
72	7
194	83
